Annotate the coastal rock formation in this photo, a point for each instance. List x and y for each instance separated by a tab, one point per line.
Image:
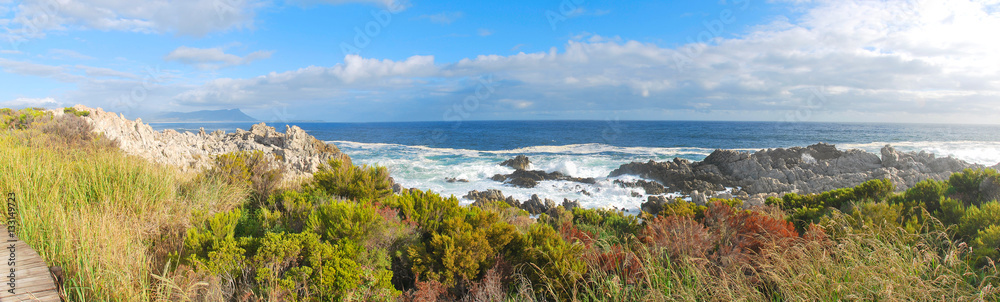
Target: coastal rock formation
480	197
529	179
301	154
650	187
817	168
519	162
534	205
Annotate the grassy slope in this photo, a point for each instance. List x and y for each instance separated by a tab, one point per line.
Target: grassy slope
97	212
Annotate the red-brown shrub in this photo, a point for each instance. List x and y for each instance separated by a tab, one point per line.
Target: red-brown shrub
572	234
621	262
678	236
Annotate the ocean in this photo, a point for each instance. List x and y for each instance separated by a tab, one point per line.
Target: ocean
423	154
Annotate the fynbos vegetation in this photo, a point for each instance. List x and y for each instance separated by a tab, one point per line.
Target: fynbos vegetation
125	229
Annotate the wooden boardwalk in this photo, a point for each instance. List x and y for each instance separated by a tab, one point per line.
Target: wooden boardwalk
32	280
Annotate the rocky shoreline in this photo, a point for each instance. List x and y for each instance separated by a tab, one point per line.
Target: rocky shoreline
299	153
748	176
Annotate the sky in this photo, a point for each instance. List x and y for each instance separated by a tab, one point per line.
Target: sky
414	60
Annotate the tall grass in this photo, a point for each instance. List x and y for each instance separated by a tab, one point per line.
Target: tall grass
108	219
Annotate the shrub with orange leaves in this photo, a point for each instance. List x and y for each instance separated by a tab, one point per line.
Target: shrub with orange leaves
677	236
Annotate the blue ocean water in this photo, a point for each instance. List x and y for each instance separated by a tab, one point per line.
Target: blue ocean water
424	154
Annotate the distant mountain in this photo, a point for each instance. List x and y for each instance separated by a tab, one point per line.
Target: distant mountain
230	115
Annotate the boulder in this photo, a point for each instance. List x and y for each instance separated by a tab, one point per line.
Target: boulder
536	205
529	179
519	162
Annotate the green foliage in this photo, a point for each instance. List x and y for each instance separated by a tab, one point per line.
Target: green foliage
427	209
875	189
73	111
681	207
965	184
213	245
986	245
344	220
554	264
928	192
22	119
608	225
254	169
340	178
976	219
951	211
459	243
883	217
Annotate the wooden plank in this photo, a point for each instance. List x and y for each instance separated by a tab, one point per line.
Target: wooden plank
32	279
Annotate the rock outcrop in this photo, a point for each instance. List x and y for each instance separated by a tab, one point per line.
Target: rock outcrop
529	178
650	187
534	205
301	154
812	169
519	162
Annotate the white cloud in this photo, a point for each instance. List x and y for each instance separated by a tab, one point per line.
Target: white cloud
66	54
63	73
874	57
213	58
443	17
311	83
33	19
485	32
391	5
517	104
100	72
838	60
19	103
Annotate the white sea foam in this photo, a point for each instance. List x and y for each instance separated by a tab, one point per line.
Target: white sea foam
985	153
427	167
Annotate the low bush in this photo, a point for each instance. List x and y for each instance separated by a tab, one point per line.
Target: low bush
256	170
338	177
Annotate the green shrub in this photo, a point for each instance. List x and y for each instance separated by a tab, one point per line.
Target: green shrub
213	246
986	245
929	193
427	209
681	207
73	111
338	177
256	170
951	212
979	218
875	190
344	220
553	265
24	118
462	246
965	184
608	225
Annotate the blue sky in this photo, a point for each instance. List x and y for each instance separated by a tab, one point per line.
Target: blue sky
397	60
